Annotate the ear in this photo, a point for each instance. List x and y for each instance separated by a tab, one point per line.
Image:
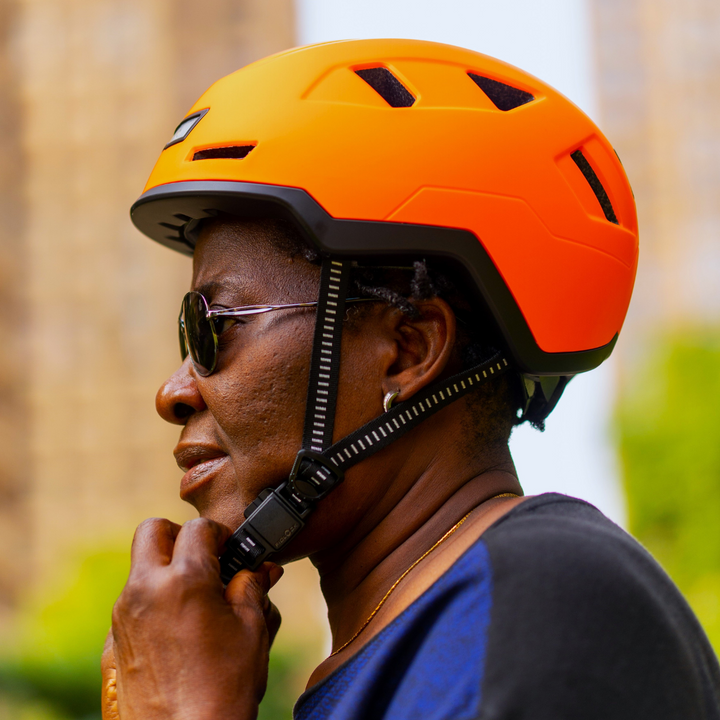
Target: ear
424	348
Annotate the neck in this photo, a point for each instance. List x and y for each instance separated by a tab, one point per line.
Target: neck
428	493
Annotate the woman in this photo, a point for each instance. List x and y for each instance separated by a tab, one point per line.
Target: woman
400	251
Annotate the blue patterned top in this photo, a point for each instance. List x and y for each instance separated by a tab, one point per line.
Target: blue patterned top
427	663
554	614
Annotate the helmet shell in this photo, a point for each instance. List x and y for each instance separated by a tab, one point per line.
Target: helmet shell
456	172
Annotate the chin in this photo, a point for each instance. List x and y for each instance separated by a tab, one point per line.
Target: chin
228	514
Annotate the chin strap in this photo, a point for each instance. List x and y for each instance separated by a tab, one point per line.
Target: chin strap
325	363
277	514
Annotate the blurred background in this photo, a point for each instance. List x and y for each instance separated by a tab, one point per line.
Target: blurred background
90	91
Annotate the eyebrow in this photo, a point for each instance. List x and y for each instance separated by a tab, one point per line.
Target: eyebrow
209	288
238	290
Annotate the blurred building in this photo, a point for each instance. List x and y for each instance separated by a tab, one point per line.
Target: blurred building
658	76
658	73
15	467
91	91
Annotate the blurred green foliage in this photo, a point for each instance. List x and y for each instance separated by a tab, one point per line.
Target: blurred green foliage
286	681
52	669
669	432
55	661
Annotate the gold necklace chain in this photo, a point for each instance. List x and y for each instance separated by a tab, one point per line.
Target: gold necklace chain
418	561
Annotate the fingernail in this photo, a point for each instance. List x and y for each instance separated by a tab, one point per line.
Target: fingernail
275	573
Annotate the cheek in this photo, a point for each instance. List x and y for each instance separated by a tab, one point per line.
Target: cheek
360	387
258	403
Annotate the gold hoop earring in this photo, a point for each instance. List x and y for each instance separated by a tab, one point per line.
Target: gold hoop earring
388	399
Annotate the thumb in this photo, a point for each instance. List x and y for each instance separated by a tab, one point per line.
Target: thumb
250	589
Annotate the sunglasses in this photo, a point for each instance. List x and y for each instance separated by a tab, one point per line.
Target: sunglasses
199	327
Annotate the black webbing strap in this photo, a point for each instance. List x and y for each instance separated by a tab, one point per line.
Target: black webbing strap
379	433
278	514
325	363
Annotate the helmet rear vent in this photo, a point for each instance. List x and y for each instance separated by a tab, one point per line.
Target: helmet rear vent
597	187
233	152
385	84
504	97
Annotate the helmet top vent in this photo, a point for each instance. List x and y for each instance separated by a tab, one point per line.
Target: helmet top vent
234	152
597	187
504	97
385	84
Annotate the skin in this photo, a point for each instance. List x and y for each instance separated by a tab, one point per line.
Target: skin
180	647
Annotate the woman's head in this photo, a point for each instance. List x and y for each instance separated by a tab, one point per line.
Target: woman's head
243	424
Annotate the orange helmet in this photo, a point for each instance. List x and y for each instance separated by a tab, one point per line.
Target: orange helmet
397	147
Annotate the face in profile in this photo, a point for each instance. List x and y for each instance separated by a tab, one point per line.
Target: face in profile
242	425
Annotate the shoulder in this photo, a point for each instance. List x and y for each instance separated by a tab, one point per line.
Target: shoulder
580	610
560	566
557	539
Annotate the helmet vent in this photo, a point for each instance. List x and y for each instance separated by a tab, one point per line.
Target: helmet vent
387	86
504	97
596	185
234	152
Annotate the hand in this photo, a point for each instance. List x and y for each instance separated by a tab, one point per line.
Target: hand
180	647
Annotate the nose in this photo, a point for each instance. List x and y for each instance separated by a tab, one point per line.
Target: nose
179	396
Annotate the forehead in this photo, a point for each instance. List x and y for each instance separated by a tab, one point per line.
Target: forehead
250	258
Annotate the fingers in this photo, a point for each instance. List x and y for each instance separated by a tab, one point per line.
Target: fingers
158	542
275	572
199	542
173	628
273	619
153	542
271	612
251	588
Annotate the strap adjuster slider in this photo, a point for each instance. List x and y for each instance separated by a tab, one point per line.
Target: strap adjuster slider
313	475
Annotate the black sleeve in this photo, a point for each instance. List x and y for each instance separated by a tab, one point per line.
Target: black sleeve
585	625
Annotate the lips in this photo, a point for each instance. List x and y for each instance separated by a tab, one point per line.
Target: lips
201	464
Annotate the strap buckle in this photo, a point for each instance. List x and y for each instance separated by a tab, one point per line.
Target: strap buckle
313	475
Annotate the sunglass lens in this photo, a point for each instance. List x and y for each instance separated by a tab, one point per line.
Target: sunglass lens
181	334
201	340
